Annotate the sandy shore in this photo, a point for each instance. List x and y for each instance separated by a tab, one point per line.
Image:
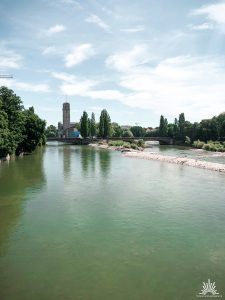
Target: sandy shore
178	160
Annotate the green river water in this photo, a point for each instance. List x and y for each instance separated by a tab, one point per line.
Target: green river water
82	223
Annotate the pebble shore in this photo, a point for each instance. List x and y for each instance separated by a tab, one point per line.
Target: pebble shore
178	160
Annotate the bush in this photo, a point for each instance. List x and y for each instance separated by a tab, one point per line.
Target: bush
198	144
140	143
134	146
214	146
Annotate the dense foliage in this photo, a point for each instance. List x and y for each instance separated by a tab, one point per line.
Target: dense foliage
92	125
51	131
84	125
210	145
182	130
104	124
21	130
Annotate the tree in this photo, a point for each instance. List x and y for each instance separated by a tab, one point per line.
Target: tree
92	125
137	131
181	124
33	131
104	124
117	131
11	104
20	130
51	131
84	125
5	141
127	133
163	126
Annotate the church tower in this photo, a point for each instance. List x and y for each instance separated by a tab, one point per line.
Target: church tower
66	116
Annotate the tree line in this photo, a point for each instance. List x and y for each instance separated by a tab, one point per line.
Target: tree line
181	129
21	130
208	129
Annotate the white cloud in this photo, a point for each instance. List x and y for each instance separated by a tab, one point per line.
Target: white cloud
10	60
55	29
63	76
72	85
213	12
97	21
105	94
193	85
24	86
203	26
74	3
134	29
49	50
28	87
79	54
126	60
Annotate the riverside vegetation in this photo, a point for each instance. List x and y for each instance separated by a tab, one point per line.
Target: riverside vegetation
21	130
209	134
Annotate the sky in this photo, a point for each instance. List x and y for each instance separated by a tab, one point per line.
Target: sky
138	59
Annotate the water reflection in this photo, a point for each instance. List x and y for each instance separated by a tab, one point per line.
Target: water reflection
105	162
66	161
15	178
89	164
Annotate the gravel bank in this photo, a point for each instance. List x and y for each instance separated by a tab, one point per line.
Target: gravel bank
178	160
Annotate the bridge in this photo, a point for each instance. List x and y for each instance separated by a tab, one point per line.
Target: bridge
86	141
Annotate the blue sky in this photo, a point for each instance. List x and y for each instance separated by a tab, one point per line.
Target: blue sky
137	59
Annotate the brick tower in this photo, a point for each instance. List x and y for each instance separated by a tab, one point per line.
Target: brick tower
66	117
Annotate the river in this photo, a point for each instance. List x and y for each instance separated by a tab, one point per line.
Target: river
84	223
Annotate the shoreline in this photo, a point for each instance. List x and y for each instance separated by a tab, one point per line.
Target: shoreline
178	160
184	161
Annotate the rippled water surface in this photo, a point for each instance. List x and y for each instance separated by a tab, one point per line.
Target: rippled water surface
81	223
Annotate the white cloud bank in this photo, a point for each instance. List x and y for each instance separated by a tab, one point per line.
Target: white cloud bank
10	60
49	50
25	86
125	61
79	54
213	12
75	86
203	26
55	29
138	28
94	19
193	85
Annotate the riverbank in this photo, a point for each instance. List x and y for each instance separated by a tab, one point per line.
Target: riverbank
178	160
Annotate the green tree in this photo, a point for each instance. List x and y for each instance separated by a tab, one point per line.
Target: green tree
84	125
104	124
163	126
20	129
51	131
11	104
181	124
117	131
137	131
92	125
33	131
127	133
